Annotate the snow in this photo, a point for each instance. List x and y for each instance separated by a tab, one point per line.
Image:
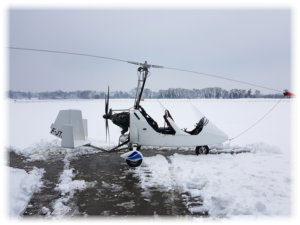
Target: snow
30	121
22	186
67	185
67	188
240	184
256	183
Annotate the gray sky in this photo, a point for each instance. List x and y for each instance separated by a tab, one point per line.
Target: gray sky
248	45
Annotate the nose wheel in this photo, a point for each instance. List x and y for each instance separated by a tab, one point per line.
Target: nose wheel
202	150
134	158
134	163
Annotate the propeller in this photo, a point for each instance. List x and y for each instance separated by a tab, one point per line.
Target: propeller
108	114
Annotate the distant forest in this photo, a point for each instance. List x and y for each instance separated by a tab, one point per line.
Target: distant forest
212	92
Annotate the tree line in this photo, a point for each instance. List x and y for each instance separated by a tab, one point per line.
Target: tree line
211	92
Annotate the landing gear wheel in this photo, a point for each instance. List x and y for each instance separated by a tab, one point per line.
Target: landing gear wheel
202	150
134	163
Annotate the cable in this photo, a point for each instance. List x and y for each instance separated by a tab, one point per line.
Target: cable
258	121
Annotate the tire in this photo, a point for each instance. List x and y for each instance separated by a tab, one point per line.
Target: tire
134	163
202	150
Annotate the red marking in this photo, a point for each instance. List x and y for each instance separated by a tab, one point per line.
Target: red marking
288	94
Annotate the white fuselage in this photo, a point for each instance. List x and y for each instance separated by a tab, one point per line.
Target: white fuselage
143	134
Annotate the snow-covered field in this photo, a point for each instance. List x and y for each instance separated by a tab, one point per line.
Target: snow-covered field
256	183
29	121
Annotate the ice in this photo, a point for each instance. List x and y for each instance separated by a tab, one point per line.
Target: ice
22	186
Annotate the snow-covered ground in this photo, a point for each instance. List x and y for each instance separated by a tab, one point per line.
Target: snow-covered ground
242	184
29	121
67	188
256	183
22	185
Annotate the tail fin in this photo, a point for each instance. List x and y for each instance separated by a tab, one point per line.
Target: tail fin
71	128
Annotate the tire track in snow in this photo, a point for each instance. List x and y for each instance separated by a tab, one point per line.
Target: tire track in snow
191	202
67	186
157	172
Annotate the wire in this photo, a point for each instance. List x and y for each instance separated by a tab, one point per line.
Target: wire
258	121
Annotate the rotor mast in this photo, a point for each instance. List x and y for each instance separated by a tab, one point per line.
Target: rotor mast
143	74
143	71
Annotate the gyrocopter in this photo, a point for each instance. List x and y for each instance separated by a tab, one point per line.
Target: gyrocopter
138	128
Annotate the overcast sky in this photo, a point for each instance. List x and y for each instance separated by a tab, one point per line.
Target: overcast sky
248	45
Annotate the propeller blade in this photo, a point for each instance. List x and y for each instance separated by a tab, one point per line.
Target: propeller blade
107	115
107	98
105	104
108	132
106	128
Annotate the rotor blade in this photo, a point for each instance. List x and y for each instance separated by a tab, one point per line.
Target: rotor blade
135	63
68	53
157	66
145	64
148	66
223	78
81	54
